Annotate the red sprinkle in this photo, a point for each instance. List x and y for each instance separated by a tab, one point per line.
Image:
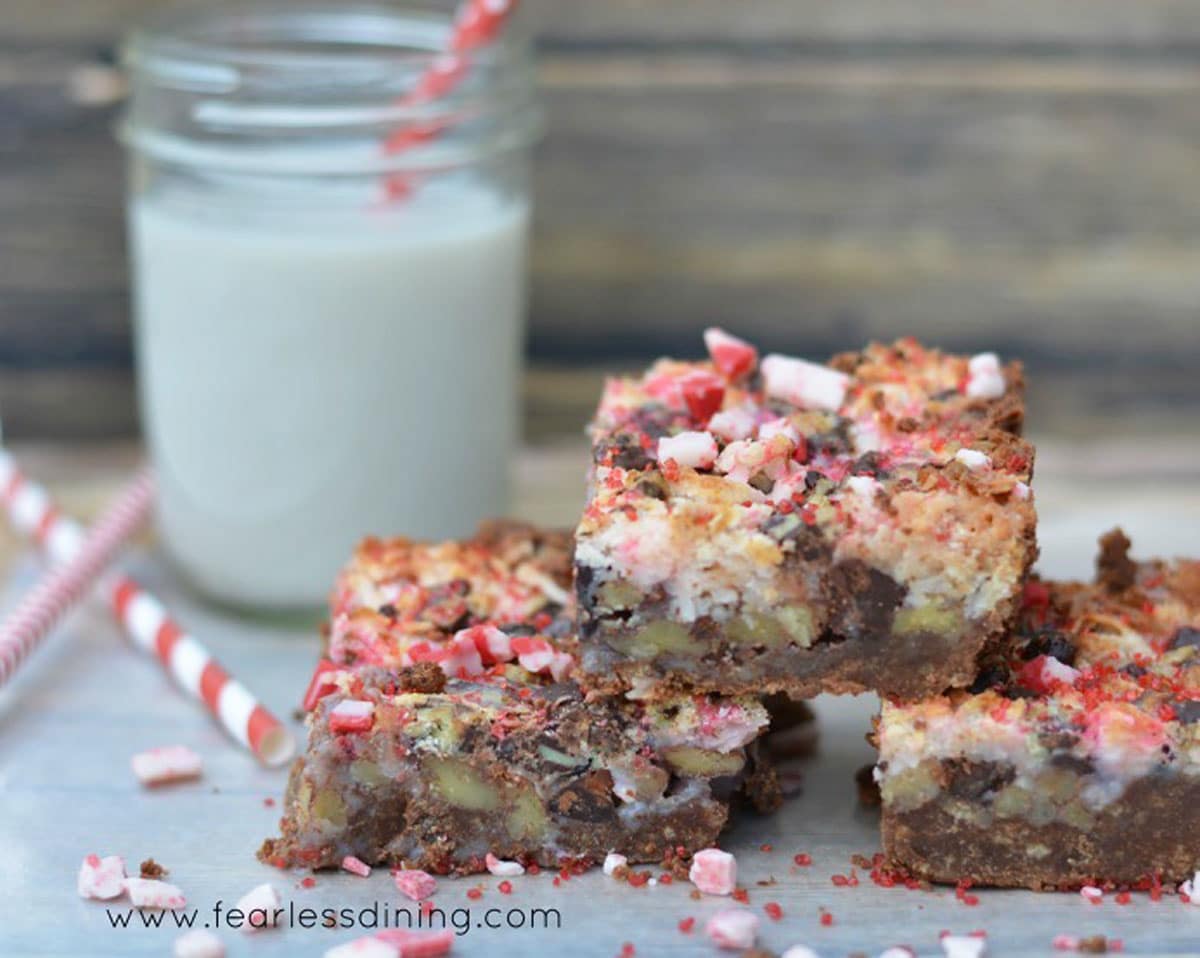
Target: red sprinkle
1122	898
269	802
627	951
308	882
826	919
764	847
773	910
803	860
686	925
740	894
474	894
505	888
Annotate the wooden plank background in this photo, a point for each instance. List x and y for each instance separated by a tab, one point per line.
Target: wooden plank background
1017	174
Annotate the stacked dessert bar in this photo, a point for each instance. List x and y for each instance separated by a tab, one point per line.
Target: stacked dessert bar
755	533
443	727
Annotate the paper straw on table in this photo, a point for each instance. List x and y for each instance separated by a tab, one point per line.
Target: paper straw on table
476	23
33	513
62	587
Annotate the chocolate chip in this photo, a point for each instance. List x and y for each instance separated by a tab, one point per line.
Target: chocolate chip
1133	670
389	610
624	451
1185	637
588	799
862	600
868	464
1050	642
991	677
811	478
762	482
974	780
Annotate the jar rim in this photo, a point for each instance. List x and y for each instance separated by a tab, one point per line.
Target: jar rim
235	75
324	33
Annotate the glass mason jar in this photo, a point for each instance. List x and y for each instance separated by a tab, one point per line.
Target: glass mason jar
328	221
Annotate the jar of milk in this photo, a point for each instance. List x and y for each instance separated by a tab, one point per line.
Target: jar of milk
328	222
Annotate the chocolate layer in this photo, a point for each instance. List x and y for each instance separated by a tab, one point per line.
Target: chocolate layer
1150	831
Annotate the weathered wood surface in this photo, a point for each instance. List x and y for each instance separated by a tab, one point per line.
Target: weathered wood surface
1019	174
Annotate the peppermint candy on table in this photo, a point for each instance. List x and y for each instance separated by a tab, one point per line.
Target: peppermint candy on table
356	866
733	928
613	861
414	884
169	763
151	893
260	907
713	871
101	878
503	869
396	943
198	944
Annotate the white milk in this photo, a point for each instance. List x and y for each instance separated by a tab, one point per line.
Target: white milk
311	378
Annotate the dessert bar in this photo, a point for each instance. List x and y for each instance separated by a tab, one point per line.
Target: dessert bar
443	726
802	528
1075	757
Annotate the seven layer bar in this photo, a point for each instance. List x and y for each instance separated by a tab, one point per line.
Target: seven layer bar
443	725
787	526
1075	758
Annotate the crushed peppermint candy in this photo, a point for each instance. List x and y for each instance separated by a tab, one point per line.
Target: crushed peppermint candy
369	947
804	384
964	946
151	893
733	928
411	944
973	459
985	378
733	357
170	763
733	424
695	450
101	878
352	715
396	943
613	861
415	884
198	944
261	906
356	866
713	871
503	869
1191	889
863	485
1091	893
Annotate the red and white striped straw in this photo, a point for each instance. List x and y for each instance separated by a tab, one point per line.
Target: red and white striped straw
477	23
143	617
61	588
